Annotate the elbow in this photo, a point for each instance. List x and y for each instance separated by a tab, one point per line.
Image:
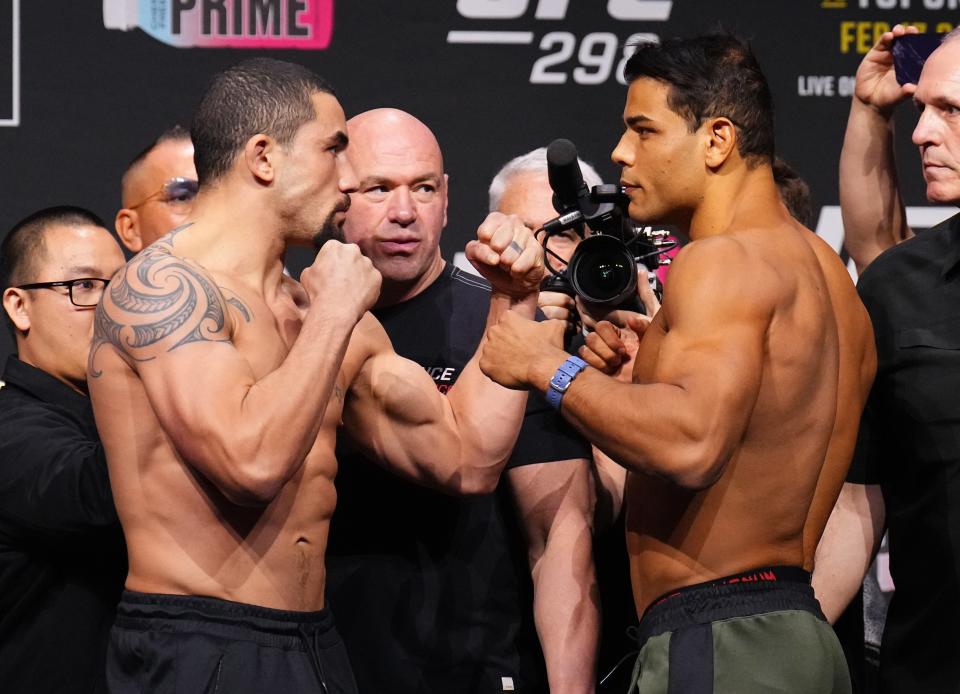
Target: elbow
252	481
473	480
694	466
474	483
252	489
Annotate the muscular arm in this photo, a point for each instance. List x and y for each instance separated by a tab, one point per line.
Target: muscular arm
458	442
848	546
555	501
686	423
874	218
873	214
170	322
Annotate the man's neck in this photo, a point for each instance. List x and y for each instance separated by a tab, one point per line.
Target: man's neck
235	233
26	354
393	293
746	198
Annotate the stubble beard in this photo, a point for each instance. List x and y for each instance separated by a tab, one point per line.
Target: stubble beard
331	230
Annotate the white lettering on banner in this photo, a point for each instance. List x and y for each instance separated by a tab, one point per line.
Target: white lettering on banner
11	117
906	4
594	67
623	10
599	55
640	10
491	9
826	85
815	85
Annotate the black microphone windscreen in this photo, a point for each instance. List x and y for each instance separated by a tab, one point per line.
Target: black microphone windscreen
563	171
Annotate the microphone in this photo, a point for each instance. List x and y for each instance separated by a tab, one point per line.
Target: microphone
566	179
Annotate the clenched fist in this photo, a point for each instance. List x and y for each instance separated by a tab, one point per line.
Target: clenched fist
342	276
507	255
513	344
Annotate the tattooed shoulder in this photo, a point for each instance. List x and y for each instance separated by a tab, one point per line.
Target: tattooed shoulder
157	303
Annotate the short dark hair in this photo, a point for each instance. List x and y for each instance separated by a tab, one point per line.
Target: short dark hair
712	76
260	95
794	192
24	244
176	133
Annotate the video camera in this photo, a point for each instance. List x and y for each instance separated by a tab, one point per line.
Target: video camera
603	269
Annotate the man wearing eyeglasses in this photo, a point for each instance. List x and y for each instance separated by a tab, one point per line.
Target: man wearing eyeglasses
157	189
62	557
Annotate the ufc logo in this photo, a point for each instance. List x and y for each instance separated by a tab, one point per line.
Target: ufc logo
623	10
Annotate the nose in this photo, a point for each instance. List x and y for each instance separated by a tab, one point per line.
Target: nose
926	132
621	154
348	181
402	209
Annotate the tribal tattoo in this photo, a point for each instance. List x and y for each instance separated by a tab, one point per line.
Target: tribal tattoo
157	303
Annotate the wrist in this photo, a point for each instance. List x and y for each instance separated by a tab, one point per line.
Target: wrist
562	379
541	368
525	306
874	114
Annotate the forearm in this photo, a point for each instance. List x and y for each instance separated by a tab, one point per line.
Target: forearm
566	610
654	428
847	548
555	501
874	218
487	415
265	433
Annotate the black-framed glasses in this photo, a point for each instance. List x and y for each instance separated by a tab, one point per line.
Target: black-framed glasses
84	292
177	192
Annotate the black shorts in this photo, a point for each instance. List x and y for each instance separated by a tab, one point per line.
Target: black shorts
756	632
171	644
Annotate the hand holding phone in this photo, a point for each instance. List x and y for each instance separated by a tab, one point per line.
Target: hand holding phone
910	51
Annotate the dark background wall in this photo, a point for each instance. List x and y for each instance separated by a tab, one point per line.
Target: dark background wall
89	97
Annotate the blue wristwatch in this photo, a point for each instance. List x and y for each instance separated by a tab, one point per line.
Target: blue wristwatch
562	379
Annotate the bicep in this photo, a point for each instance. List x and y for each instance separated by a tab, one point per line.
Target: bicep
390	404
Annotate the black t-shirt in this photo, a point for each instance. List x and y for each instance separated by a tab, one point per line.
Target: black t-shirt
431	592
910	445
62	557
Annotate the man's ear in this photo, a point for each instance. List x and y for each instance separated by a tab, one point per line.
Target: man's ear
446	198
721	141
259	156
14	303
127	225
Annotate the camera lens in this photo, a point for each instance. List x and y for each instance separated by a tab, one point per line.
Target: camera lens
603	271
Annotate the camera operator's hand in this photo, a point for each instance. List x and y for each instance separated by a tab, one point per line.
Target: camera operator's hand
559	306
876	84
613	349
619	317
612	344
512	344
508	256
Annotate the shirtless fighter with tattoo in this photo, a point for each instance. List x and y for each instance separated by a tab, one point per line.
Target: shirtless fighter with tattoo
218	397
736	414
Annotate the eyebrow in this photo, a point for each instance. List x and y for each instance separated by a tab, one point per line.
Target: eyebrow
339	139
637	119
83	271
383	180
